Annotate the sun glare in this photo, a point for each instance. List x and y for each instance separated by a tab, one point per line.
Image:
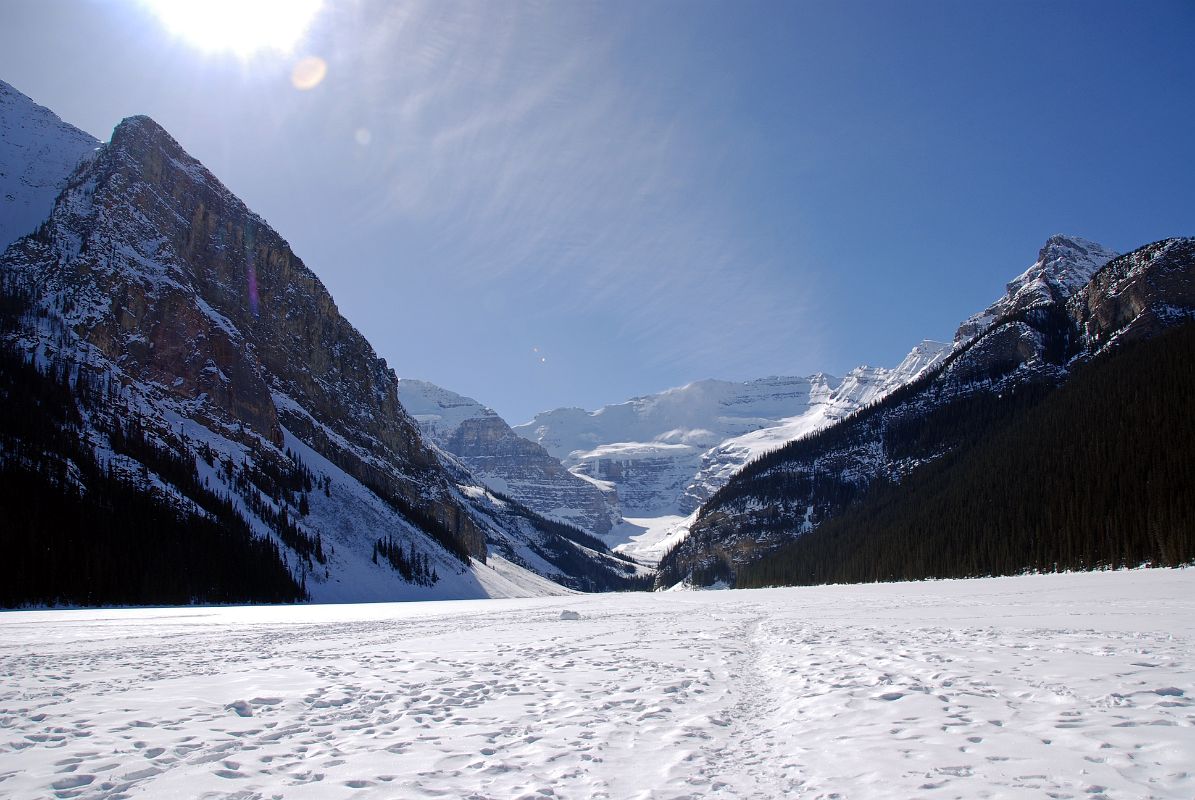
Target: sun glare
243	27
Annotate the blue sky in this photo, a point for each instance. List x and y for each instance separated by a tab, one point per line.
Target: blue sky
650	193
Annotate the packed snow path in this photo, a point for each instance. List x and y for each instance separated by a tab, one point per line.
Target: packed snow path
1065	686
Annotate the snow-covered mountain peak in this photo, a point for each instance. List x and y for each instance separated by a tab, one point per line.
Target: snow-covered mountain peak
437	409
701	414
924	355
40	151
1062	246
1064	265
1064	261
668	452
829	401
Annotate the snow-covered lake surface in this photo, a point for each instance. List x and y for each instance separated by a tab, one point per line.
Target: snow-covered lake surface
1063	686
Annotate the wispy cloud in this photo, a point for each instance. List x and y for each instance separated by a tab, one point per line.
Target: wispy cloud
551	169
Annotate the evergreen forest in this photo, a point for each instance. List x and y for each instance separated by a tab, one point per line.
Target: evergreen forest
1099	474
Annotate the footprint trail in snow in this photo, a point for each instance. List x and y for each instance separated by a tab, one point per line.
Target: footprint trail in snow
1076	686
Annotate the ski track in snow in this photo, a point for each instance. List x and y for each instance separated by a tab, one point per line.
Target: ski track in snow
1042	686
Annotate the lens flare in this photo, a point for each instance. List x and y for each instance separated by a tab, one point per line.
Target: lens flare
308	73
242	27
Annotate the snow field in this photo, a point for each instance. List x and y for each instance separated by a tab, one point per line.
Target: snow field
1067	686
648	539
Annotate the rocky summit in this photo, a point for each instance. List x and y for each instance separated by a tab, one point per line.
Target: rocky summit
1064	265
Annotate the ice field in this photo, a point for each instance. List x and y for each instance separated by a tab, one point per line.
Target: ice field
1077	685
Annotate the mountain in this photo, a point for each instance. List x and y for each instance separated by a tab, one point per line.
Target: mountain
664	454
39	153
825	506
504	461
213	378
1064	265
862	386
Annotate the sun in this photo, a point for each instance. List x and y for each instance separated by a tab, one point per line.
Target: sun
243	27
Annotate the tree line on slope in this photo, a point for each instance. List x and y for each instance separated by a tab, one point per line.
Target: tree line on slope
79	532
1099	474
413	566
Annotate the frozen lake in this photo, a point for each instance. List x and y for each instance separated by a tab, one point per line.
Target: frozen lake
1068	686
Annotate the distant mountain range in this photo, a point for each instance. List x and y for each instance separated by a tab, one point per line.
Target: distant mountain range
666	453
186	416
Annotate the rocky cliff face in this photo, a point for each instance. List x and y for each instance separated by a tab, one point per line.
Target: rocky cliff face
504	461
1017	359
1138	295
212	336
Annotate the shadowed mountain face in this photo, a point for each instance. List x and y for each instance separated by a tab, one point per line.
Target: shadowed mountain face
211	336
988	382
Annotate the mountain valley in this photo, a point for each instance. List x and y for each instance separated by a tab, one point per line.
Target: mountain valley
192	368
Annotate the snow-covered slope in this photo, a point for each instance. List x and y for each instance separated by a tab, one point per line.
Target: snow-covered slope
504	461
38	154
702	413
211	367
